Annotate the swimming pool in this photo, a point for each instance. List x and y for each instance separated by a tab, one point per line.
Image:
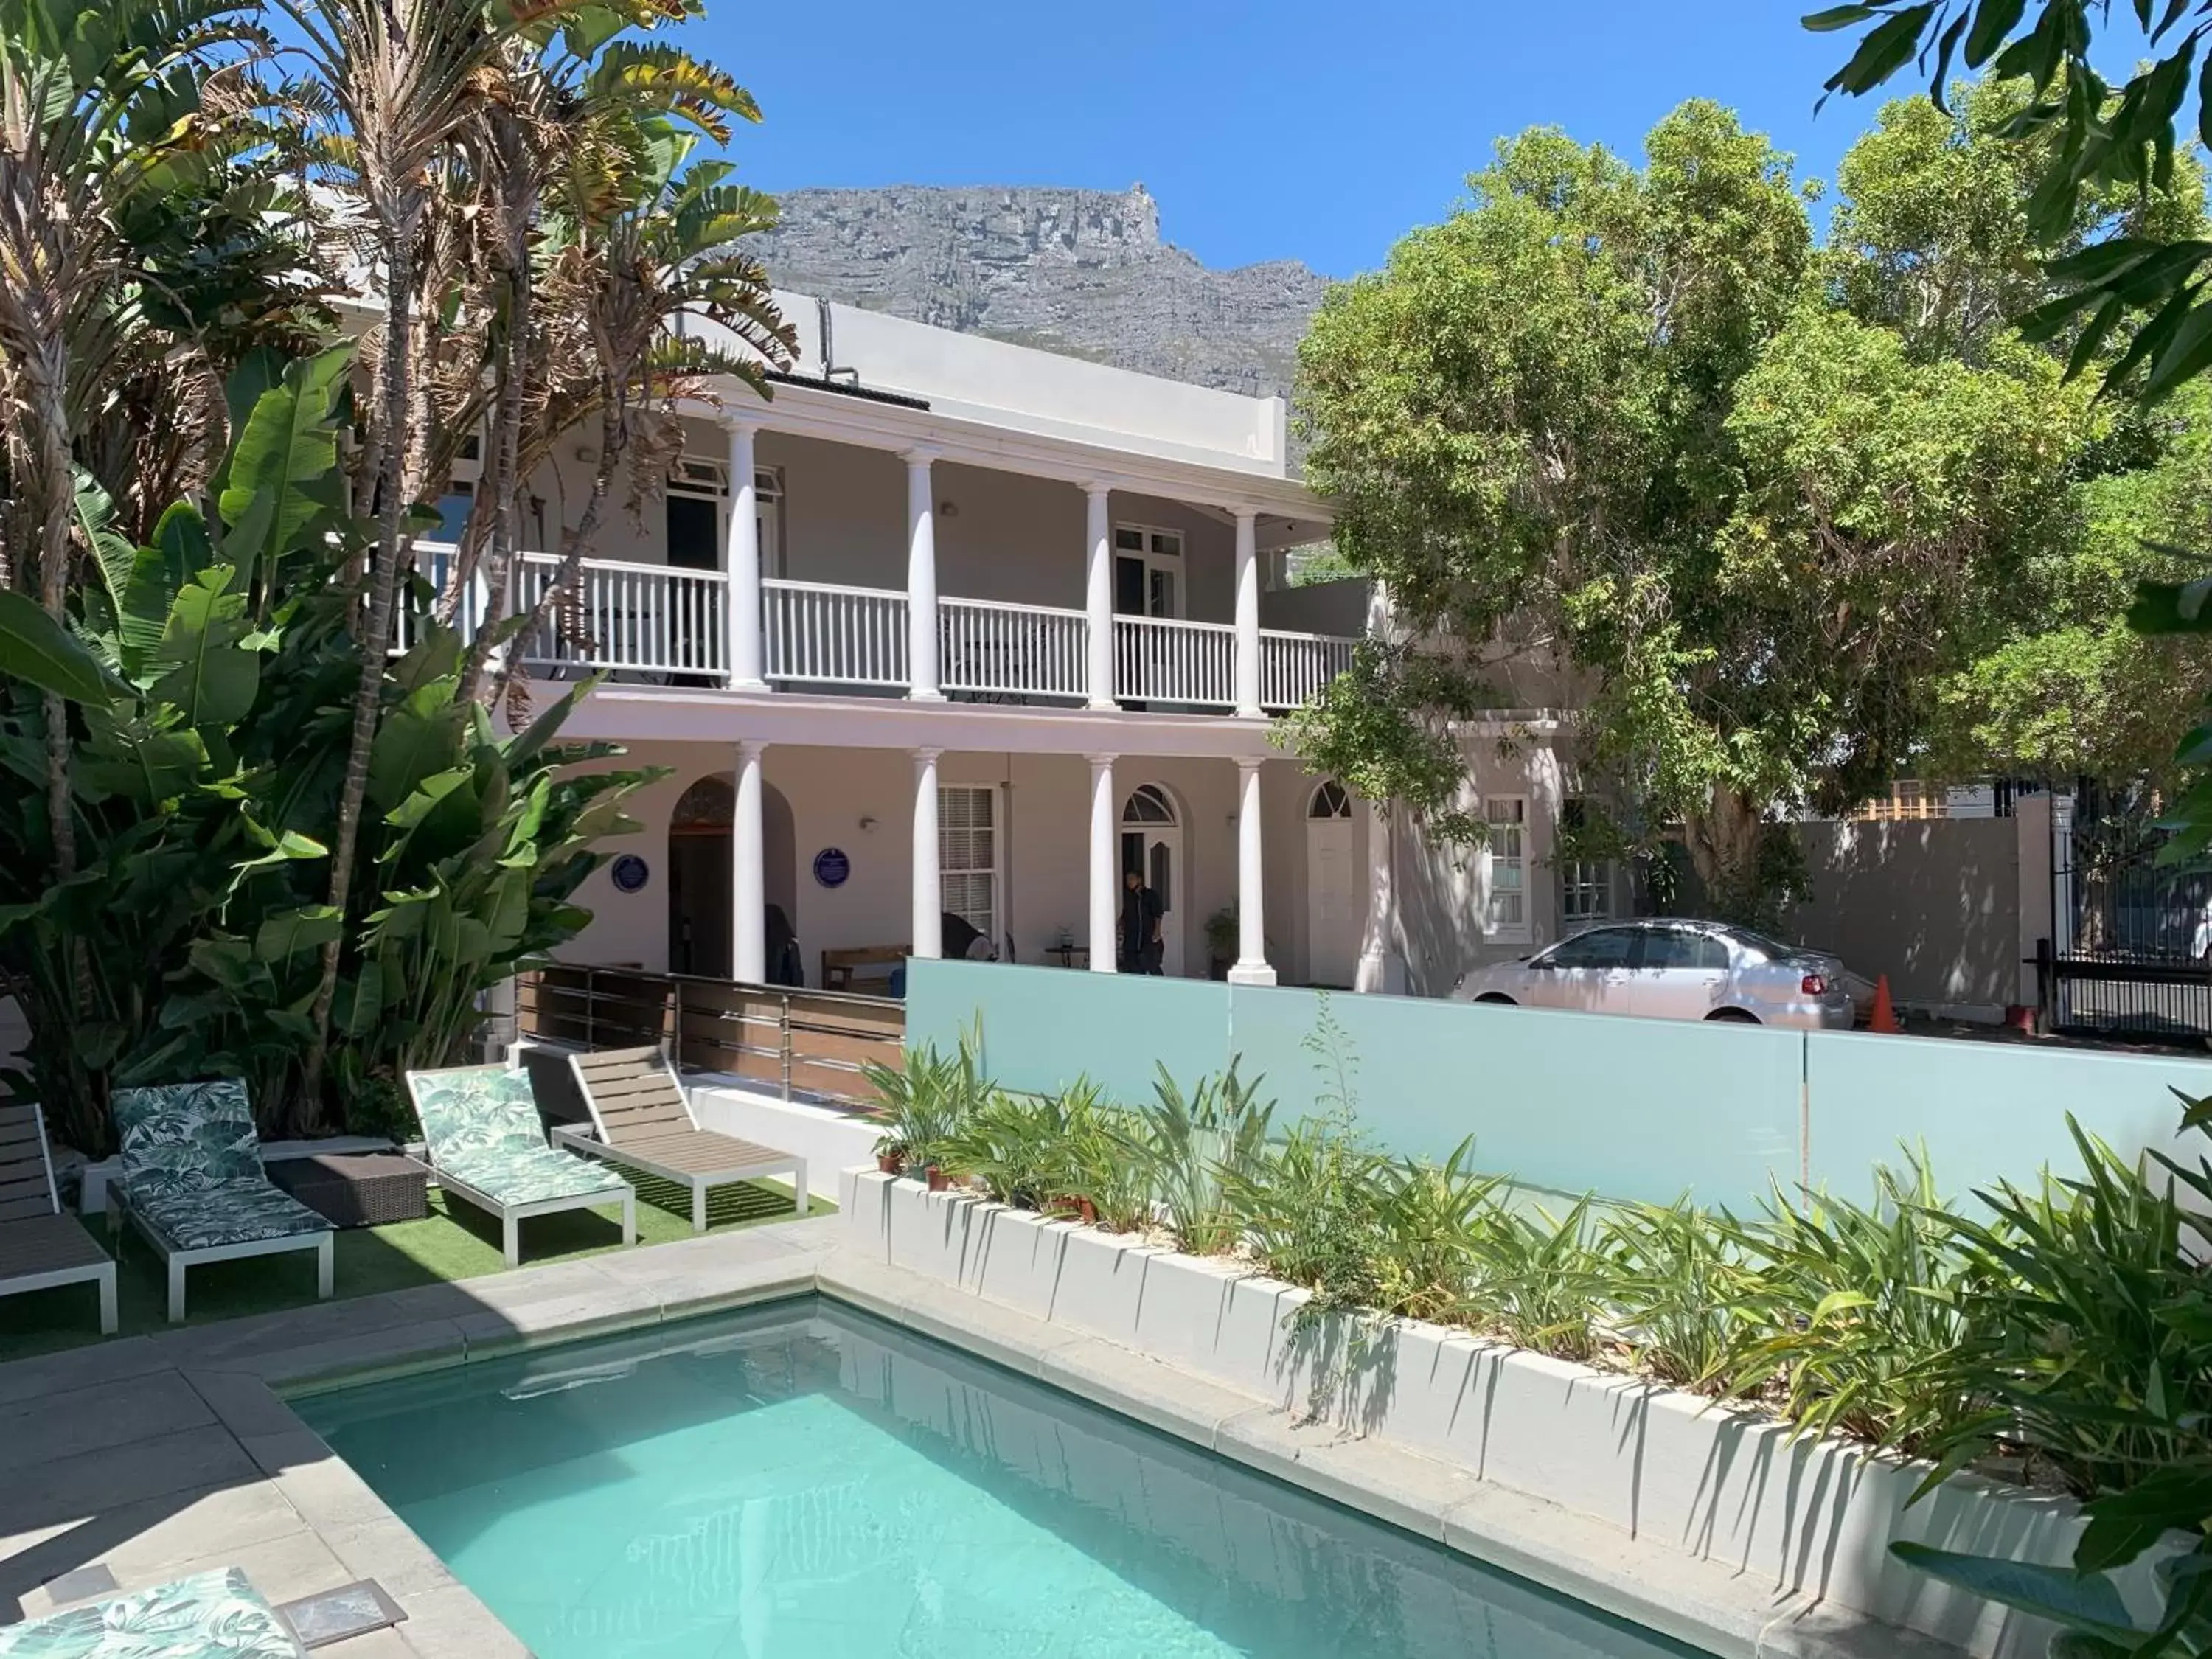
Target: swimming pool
805	1479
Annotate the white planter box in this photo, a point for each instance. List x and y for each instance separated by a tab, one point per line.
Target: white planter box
1807	1516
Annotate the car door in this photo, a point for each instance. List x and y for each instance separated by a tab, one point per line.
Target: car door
1588	973
1683	975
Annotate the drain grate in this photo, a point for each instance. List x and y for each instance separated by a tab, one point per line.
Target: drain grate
333	1615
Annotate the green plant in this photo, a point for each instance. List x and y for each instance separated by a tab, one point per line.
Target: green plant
1016	1145
1863	1309
1096	1162
1535	1277
1187	1146
1430	1215
1310	1207
1676	1284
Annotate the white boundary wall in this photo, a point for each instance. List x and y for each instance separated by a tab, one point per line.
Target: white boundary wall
1805	1517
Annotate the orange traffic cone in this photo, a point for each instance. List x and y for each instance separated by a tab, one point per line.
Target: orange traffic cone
1884	1017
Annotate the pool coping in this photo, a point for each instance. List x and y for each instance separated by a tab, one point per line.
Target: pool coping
242	1375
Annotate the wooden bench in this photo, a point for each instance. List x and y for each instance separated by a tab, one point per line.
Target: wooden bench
839	966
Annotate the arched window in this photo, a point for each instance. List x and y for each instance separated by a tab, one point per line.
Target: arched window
1330	802
1148	804
709	807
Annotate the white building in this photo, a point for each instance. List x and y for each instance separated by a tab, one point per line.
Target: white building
956	626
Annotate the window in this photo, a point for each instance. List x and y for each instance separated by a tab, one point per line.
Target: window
1147	570
1330	802
1507	856
1585	884
1683	947
968	855
1602	947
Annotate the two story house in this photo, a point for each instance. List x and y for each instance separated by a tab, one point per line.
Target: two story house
954	627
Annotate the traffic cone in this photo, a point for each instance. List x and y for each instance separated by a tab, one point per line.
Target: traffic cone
1884	1017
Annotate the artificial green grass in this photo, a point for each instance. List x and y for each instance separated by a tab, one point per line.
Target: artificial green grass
455	1242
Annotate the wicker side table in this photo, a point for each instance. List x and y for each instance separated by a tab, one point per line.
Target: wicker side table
357	1189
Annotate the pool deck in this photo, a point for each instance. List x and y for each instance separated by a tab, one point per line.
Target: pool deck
165	1455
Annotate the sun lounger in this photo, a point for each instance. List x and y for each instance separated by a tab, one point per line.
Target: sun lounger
211	1615
487	1145
40	1245
193	1186
642	1117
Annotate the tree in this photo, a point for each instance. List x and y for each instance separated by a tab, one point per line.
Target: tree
1621	406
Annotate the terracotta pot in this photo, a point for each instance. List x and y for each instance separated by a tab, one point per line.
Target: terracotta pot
937	1183
1088	1211
889	1163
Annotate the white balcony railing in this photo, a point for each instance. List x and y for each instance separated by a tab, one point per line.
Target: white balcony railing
1162	659
655	622
1294	667
997	650
818	635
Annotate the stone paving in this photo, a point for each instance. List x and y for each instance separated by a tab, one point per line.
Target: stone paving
162	1456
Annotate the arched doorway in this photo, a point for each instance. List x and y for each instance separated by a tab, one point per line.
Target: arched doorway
699	878
1151	842
1333	916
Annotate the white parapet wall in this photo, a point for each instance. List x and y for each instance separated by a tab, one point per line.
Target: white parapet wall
1808	1518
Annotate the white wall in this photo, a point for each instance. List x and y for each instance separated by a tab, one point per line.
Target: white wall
1441	892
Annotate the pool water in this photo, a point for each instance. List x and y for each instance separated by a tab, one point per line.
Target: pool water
802	1481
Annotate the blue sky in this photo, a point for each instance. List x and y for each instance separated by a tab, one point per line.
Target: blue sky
1294	130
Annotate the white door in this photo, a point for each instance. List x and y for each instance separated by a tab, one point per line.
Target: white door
1151	842
1333	916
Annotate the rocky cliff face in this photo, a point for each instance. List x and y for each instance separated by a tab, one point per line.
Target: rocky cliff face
1078	271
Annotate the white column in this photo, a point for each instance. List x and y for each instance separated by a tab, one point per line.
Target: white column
928	889
1099	592
1382	964
743	600
1248	613
922	584
1251	966
1105	883
748	875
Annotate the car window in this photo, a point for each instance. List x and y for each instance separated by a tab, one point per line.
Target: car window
1602	947
1758	942
1683	947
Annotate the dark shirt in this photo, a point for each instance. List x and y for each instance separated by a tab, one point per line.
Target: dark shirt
1140	913
959	933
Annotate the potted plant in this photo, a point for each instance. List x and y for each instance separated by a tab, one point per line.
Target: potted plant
890	1155
1221	941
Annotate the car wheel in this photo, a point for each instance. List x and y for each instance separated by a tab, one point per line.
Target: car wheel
1731	1016
1497	998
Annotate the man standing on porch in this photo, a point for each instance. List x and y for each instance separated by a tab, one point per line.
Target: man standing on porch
1142	948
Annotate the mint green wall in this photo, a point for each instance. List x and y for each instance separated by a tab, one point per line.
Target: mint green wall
1630	1109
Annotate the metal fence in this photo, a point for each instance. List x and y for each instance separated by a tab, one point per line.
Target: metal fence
795	1044
2134	957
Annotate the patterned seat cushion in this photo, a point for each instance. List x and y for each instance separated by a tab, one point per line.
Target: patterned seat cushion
525	1174
483	1128
214	1615
186	1136
227	1212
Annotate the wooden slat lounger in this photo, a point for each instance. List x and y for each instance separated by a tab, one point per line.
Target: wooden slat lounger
642	1117
41	1245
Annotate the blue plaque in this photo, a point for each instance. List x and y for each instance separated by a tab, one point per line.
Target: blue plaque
831	866
630	873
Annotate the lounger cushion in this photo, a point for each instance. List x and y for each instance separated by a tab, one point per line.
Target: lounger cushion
185	1137
213	1615
227	1212
483	1130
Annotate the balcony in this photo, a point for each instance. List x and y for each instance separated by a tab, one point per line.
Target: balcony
654	624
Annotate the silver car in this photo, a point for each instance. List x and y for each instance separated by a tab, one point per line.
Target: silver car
1675	968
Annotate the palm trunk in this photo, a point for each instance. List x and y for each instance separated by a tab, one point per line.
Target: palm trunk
1723	841
376	633
507	447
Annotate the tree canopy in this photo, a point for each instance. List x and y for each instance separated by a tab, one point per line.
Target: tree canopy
1780	509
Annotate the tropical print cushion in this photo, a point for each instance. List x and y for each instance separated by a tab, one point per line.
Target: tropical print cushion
474	1109
214	1615
525	1174
185	1137
230	1213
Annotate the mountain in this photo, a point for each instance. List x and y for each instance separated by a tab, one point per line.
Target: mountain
1079	271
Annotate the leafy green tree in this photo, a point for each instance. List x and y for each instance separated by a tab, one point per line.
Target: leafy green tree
1618	406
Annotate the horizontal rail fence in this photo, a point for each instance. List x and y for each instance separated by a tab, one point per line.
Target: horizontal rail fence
820	634
2135	955
1010	651
1165	661
794	1043
660	621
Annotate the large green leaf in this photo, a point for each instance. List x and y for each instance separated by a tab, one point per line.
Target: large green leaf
2087	1602
158	572
38	651
212	678
420	738
281	478
288	933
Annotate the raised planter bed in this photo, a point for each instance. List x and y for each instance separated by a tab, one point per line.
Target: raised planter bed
1805	1515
